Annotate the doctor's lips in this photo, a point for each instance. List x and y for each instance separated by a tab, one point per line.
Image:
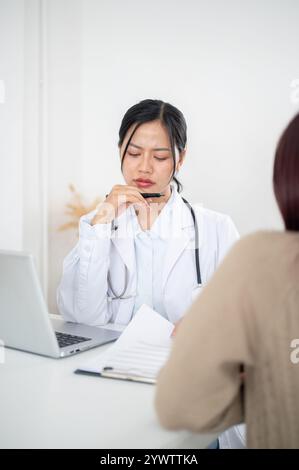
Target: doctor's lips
144	183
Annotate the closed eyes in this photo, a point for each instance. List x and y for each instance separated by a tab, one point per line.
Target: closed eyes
160	159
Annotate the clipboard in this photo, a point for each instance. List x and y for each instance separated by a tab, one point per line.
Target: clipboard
139	353
141	362
117	376
109	373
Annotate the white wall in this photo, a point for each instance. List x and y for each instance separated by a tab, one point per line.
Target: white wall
227	65
66	161
11	124
22	165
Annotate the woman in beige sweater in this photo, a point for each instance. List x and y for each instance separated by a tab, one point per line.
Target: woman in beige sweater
247	317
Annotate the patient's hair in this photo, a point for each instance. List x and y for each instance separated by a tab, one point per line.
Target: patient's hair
286	175
171	118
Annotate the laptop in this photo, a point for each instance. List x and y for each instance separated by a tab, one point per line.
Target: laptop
25	322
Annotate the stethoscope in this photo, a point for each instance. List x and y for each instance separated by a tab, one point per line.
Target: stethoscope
196	249
123	295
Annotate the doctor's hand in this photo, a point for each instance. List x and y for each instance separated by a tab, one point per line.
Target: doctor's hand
117	201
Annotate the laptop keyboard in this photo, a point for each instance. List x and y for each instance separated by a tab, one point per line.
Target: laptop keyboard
65	339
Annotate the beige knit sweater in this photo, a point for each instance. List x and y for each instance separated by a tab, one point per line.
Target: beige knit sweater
248	314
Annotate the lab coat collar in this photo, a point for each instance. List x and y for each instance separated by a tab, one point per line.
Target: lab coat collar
181	219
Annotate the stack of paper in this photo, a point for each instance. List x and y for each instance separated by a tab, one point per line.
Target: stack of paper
140	351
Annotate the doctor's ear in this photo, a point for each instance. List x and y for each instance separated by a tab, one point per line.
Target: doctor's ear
181	159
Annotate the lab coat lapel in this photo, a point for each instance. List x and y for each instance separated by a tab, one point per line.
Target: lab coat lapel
179	236
123	239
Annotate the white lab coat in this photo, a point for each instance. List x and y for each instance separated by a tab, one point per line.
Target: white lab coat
84	295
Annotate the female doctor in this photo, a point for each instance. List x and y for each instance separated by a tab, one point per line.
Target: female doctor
133	250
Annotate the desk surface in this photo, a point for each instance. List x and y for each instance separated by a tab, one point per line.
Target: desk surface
43	404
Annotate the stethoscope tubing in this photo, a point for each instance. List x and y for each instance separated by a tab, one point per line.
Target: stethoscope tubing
196	254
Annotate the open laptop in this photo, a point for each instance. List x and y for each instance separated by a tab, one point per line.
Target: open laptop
24	319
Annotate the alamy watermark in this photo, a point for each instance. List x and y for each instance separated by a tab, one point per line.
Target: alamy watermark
122	226
294	356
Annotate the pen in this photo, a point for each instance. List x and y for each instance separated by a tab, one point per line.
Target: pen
146	195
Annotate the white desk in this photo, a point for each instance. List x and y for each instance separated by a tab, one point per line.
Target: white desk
43	404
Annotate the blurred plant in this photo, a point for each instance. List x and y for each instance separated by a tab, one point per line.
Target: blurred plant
77	208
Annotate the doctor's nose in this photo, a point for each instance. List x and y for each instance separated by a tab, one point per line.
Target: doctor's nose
145	166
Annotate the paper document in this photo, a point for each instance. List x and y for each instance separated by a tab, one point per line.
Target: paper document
139	353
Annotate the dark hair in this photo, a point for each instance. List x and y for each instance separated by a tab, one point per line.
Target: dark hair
171	118
286	175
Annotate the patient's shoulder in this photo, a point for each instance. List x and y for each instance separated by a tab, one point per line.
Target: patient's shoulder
267	247
253	242
267	240
258	239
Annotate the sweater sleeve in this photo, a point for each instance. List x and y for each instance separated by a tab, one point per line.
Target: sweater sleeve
199	388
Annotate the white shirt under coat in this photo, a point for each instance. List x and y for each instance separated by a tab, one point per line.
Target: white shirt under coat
150	248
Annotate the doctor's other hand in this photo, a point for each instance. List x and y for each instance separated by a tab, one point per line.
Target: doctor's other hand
116	202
